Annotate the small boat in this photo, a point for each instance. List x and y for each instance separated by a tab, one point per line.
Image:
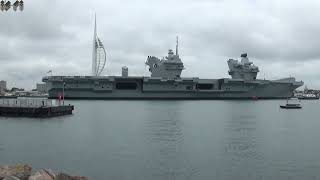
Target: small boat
291	106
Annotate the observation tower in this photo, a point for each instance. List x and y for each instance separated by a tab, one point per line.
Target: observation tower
98	53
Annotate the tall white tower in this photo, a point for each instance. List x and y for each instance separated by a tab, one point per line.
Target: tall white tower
98	53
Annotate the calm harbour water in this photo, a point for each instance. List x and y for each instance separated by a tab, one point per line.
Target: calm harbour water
171	140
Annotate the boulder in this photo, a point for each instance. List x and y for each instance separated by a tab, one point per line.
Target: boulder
20	171
10	178
42	175
50	172
63	176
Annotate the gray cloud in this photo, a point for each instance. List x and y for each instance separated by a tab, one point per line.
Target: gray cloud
279	36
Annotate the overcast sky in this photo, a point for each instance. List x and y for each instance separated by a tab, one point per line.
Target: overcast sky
280	36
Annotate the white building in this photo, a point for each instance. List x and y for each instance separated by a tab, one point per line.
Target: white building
3	86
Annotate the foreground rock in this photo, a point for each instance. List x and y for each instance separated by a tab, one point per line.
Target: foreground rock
11	178
23	172
43	175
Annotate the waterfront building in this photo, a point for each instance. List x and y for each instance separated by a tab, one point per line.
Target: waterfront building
3	86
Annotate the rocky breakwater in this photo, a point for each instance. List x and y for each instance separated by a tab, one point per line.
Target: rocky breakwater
24	172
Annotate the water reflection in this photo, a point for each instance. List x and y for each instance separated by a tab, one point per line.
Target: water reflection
241	140
1	147
164	135
242	156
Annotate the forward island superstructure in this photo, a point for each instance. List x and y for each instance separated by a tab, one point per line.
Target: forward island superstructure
166	82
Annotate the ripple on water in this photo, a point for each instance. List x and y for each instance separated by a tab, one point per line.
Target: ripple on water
167	158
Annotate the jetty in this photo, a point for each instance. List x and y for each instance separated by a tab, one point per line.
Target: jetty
33	107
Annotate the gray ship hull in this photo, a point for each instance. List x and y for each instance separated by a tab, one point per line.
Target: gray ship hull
145	88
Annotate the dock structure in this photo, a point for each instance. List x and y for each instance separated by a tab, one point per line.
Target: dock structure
33	108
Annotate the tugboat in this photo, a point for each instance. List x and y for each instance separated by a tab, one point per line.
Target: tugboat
291	105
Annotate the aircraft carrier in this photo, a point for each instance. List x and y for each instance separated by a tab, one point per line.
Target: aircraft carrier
166	82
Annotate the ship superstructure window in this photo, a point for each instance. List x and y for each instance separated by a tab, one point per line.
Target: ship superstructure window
126	85
205	86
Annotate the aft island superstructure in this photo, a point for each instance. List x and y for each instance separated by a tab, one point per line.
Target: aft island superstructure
166	82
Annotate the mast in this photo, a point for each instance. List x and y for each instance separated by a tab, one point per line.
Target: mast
177	46
94	48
